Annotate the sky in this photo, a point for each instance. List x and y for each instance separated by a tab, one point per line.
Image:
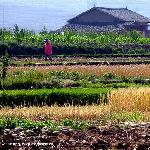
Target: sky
71	1
35	14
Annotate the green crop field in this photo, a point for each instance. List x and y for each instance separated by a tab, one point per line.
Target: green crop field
24	42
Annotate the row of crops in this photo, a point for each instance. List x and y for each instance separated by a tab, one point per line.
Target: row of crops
60	97
61	79
22	41
34	88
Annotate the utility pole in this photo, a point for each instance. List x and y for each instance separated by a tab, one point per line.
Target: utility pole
5	60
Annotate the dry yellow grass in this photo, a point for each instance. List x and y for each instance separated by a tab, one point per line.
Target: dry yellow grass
88	113
130	100
126	70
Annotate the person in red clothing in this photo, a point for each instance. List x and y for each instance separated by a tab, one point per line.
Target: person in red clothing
48	50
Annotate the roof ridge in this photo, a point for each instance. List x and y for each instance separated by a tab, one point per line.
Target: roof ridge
112	8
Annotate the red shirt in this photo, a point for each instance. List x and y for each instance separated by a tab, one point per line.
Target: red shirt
48	48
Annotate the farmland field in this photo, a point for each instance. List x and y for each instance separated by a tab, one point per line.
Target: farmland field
134	105
94	101
93	127
72	102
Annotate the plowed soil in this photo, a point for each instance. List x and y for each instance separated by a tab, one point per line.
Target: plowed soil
127	137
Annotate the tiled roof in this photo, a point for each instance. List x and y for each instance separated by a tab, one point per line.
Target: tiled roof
123	14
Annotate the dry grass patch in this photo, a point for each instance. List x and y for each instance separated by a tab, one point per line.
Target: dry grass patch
126	70
57	113
130	100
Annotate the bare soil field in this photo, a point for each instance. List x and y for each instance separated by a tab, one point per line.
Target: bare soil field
126	136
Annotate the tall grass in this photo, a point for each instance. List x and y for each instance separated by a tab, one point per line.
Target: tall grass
57	113
129	100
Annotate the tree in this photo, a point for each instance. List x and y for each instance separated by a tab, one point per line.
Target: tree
5	64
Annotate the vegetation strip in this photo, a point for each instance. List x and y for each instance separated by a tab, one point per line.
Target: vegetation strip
76	96
32	79
25	42
11	123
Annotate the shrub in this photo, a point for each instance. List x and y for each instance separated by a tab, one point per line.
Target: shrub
138	80
108	76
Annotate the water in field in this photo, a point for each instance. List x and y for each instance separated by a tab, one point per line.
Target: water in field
35	14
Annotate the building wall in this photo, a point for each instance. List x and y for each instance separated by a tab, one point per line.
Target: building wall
147	34
142	27
95	17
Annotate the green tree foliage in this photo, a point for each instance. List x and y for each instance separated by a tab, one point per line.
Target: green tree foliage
4	68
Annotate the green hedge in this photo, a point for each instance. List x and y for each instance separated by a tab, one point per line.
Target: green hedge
108	49
72	96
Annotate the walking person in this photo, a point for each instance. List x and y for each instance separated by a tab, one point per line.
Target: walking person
48	50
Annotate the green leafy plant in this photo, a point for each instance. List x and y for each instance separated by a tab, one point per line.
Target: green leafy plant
11	123
77	125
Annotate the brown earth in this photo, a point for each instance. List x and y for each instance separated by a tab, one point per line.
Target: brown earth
122	136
